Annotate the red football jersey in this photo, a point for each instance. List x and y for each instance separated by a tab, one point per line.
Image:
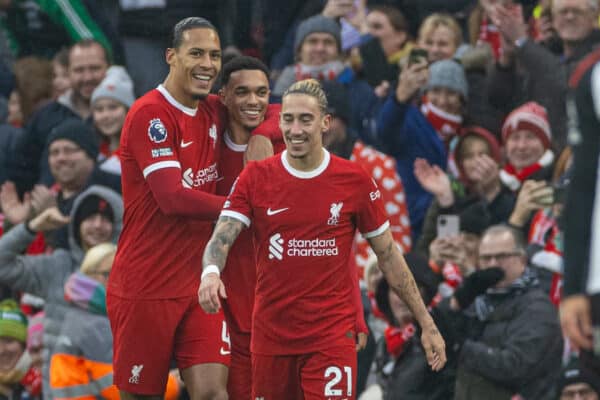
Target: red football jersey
304	224
239	275
160	256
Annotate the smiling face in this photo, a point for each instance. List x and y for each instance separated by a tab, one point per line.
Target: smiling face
440	43
94	230
303	125
10	352
523	148
246	97
195	64
87	68
574	20
69	164
447	100
109	116
318	48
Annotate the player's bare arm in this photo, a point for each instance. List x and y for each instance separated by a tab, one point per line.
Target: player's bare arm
401	280
213	262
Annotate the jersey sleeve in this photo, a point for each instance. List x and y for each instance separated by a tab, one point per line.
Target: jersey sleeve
151	139
372	220
238	204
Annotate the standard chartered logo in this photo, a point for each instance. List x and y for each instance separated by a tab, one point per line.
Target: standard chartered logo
301	248
276	247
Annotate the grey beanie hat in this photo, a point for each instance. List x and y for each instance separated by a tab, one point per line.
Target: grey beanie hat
117	85
317	23
448	74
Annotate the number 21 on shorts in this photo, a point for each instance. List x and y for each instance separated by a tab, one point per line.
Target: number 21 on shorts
334	376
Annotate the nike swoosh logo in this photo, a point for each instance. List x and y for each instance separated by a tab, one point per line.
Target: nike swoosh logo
184	144
224	352
273	212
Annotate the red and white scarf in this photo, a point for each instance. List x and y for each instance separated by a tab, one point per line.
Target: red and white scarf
397	338
513	179
488	33
325	72
445	124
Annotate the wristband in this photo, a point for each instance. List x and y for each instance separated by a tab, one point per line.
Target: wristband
210	269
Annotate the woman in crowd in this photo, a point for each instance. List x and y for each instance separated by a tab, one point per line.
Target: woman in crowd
110	102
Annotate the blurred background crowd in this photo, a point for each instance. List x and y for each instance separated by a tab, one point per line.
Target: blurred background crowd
459	109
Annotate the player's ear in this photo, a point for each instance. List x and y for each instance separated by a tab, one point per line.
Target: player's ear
170	56
222	96
325	122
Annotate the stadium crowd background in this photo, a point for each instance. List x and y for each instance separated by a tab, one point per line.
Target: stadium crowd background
471	133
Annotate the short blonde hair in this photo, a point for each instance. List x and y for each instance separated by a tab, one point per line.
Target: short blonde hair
312	88
436	20
94	257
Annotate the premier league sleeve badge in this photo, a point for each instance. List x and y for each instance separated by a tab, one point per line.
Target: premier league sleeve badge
157	131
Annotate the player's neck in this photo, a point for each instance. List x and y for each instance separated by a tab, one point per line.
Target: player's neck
179	94
239	134
309	162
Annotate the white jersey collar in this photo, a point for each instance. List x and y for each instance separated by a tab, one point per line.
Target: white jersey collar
238	148
306	174
189	111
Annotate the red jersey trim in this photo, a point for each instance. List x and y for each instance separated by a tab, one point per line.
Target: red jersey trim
234	214
189	111
377	231
238	148
306	174
160	165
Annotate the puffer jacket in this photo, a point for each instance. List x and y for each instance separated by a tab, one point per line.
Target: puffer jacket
45	275
518	350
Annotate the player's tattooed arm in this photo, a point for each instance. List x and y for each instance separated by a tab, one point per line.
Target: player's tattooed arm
401	281
224	235
398	275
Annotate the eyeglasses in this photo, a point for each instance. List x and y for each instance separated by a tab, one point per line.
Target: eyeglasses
583	393
486	258
577	12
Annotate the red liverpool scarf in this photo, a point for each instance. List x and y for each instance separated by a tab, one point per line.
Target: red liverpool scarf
513	179
445	124
397	338
488	33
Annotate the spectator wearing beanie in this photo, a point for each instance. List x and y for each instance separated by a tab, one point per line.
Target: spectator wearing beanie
407	132
45	275
476	195
527	137
110	102
18	380
72	154
577	382
318	55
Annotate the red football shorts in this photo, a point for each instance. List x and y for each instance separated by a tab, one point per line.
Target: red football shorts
327	374
148	334
239	383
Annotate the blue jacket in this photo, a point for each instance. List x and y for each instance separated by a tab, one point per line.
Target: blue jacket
405	134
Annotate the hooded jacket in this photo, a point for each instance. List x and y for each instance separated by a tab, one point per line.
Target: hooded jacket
45	275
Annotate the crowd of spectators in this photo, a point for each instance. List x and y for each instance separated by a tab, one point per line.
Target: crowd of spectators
458	109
